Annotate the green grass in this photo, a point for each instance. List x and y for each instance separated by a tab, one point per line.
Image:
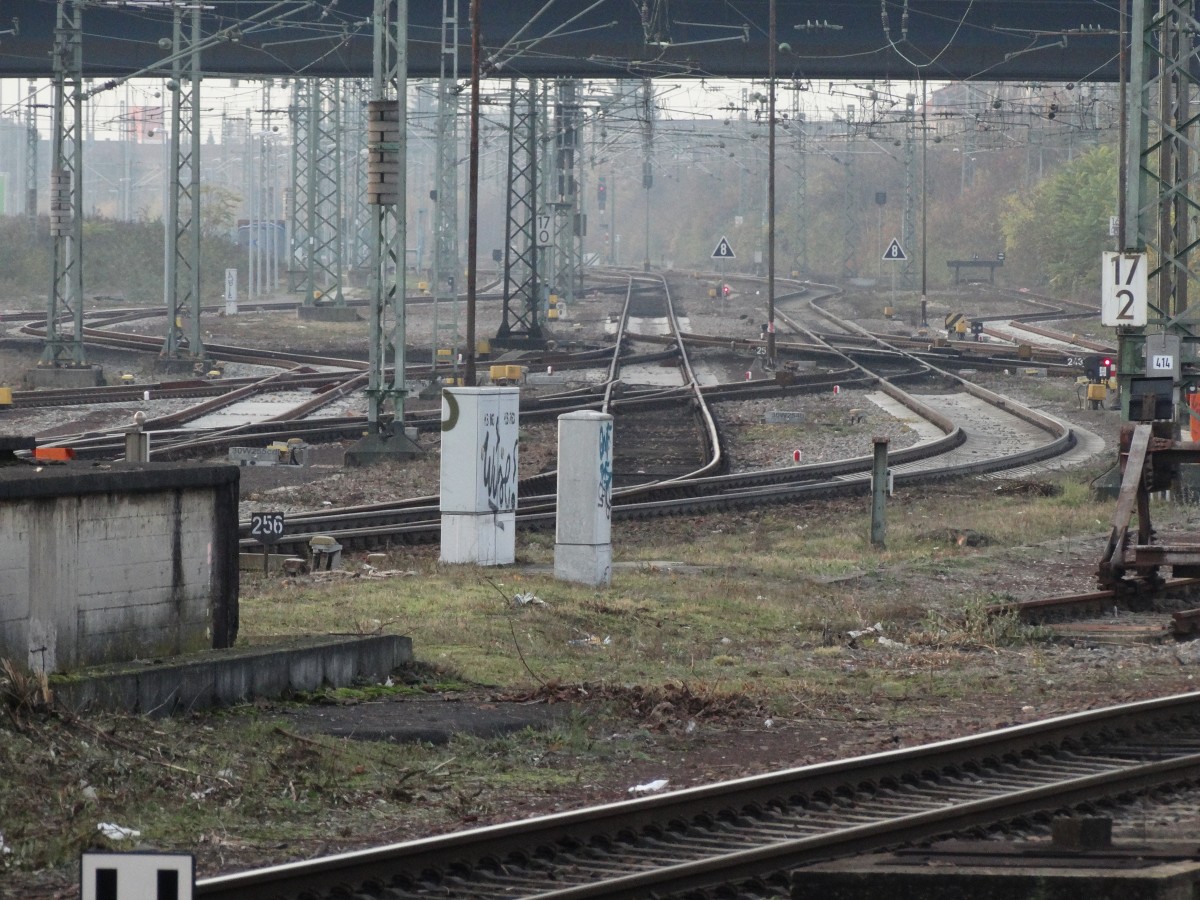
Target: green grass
768	587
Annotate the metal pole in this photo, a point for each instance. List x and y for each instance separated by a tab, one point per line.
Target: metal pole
924	199
879	484
771	195
473	197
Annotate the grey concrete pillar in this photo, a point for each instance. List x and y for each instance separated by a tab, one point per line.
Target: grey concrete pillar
137	444
583	533
479	475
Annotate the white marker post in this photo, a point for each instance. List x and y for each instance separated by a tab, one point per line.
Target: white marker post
479	475
583	526
137	876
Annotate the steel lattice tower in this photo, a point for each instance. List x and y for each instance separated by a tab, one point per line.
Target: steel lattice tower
1159	199
800	196
358	212
31	155
647	123
181	281
325	245
908	229
446	261
1161	180
298	217
566	189
849	219
522	290
66	193
970	142
388	153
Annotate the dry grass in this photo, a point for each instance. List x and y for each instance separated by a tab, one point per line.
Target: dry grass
753	629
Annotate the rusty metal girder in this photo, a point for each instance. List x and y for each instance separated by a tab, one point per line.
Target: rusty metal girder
1149	463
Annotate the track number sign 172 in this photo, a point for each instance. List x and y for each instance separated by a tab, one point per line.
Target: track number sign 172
1123	293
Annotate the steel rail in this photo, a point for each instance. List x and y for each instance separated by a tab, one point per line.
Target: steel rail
770	823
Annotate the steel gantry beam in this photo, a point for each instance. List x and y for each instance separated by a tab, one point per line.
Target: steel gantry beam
520	323
611	38
65	305
446	261
181	280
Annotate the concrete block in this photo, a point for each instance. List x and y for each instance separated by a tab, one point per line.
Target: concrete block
226	678
233	680
585	477
483	539
271	678
65	377
330	313
589	564
305	671
326	552
339	668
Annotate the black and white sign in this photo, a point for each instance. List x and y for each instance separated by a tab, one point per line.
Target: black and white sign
266	527
723	250
231	297
1123	292
545	234
894	251
137	876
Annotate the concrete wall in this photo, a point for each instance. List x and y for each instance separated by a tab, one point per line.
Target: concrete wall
129	561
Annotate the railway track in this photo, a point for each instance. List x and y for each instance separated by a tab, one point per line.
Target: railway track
668	452
954	452
671	436
753	836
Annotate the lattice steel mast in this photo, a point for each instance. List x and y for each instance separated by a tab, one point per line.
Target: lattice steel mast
31	155
1160	203
568	221
445	201
66	194
326	252
181	280
387	189
800	195
908	227
520	322
358	212
298	216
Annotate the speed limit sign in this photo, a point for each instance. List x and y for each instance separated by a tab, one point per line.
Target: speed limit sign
1123	292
